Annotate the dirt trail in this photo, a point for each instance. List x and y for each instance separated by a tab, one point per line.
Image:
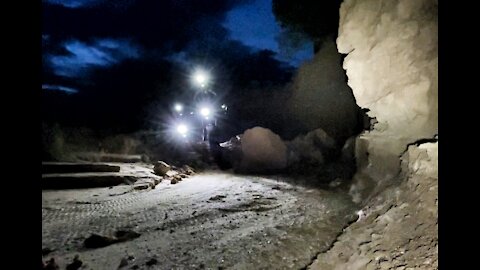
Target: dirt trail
212	220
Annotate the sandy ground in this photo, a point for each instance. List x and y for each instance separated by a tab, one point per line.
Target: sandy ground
212	220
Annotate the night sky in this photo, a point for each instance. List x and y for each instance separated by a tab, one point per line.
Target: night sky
115	63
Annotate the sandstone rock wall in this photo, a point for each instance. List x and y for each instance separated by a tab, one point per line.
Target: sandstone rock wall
392	68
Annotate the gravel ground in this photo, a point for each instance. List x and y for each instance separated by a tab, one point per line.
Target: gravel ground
398	228
213	220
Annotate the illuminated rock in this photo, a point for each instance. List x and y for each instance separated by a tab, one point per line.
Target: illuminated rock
262	151
392	68
314	147
161	168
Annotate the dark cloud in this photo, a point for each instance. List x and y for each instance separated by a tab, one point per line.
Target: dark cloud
123	55
75	3
65	89
82	57
154	24
73	29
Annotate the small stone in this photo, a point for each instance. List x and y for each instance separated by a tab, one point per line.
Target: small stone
151	262
51	265
46	251
173	181
76	264
161	168
188	170
97	241
141	186
217	198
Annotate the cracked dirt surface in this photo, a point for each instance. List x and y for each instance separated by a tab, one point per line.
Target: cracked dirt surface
212	220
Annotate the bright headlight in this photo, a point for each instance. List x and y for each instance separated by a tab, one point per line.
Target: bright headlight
178	107
200	78
182	129
205	111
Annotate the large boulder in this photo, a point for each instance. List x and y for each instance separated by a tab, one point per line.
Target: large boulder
315	147
256	150
263	151
317	154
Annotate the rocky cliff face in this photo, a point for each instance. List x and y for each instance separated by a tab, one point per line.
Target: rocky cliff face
392	68
321	97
